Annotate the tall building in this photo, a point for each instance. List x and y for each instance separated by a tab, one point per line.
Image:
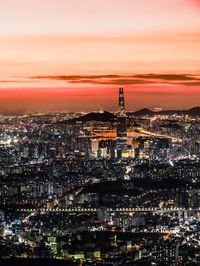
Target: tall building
121	125
182	199
94	147
165	253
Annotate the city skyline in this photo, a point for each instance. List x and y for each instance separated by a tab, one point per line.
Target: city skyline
100	132
59	57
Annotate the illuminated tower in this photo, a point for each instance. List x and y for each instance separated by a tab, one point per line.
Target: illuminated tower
121	110
121	125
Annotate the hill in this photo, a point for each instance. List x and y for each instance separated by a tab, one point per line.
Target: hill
101	117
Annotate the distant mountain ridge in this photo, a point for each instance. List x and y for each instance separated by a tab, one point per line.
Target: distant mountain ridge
142	112
110	117
94	116
194	111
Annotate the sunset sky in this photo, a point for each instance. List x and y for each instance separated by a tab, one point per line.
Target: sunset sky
73	55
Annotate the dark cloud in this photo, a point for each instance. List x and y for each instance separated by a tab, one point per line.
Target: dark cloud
76	77
129	81
111	81
173	77
196	83
176	79
98	79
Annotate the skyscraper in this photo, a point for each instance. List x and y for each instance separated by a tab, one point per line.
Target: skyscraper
121	125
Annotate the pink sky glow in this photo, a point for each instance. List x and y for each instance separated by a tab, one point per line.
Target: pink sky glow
44	43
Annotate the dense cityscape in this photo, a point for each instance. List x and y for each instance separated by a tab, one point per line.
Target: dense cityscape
101	188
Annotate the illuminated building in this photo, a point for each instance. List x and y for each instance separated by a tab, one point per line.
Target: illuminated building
121	126
94	147
165	253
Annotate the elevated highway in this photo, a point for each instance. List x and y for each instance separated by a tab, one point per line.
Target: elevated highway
113	210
